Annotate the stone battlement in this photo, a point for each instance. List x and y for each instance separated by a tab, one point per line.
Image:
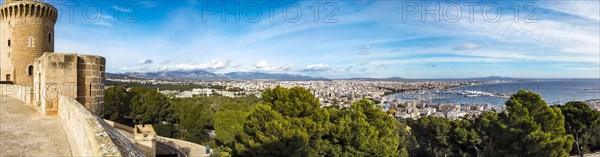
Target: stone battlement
32	9
80	77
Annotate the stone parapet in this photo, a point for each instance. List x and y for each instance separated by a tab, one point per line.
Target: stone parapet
189	148
93	136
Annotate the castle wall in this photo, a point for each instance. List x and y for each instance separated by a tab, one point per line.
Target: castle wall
145	139
27	33
93	136
120	126
90	82
163	145
191	149
56	74
78	76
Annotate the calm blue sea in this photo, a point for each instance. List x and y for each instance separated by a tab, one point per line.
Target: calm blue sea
551	90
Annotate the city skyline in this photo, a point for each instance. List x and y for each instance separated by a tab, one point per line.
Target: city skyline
348	38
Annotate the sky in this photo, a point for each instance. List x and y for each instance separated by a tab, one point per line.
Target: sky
339	39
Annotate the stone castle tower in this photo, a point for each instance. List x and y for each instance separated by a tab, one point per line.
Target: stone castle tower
28	59
27	33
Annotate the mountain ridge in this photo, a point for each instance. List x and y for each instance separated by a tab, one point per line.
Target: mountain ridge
202	75
199	75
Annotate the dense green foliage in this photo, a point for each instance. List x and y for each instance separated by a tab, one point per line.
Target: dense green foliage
438	136
192	116
116	104
150	106
582	122
528	127
291	122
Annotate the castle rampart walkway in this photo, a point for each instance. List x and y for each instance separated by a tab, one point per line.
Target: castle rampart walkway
24	132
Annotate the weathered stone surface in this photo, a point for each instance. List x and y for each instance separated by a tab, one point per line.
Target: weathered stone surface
54	81
26	133
93	136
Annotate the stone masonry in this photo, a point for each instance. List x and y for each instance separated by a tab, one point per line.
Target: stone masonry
28	59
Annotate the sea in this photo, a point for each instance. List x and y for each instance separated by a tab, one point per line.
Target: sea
553	91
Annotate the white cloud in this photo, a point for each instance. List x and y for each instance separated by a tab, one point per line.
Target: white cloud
146	61
585	68
147	4
264	66
318	68
351	69
215	64
585	9
101	20
135	69
553	34
384	66
365	62
435	60
165	62
364	50
466	46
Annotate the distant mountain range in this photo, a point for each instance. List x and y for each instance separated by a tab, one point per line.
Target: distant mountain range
269	76
197	75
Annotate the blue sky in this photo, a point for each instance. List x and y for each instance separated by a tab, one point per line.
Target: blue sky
546	39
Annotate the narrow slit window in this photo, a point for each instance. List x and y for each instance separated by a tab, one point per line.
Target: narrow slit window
30	70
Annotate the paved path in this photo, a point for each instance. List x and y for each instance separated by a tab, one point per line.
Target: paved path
23	132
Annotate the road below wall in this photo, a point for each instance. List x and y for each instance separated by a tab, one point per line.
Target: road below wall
24	132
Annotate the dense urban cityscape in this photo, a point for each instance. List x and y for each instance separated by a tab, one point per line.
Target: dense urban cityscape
344	92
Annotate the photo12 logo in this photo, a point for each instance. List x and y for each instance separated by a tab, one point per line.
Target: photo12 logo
97	12
49	91
253	12
453	12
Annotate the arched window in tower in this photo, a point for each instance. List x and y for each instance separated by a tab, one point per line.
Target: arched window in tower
49	37
30	70
8	42
7	77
